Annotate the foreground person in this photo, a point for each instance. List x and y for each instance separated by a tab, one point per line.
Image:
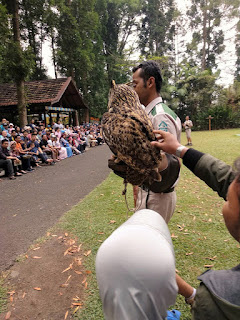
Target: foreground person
135	269
218	296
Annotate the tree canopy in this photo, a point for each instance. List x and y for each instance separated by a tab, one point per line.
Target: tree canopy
95	41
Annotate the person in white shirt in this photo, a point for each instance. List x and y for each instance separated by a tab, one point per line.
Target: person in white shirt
188	125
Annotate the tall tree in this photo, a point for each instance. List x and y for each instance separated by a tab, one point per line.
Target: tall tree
206	20
156	28
18	61
33	32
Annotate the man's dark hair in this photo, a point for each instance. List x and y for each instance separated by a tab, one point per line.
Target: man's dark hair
33	134
150	69
4	140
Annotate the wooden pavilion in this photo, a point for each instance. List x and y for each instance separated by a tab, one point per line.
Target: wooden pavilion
46	100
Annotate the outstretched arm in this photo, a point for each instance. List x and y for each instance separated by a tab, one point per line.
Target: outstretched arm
214	172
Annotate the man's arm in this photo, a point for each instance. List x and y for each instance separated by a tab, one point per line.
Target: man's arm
214	172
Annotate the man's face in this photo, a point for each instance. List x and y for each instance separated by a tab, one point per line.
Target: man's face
231	210
187	118
25	133
140	87
18	139
14	133
5	144
34	137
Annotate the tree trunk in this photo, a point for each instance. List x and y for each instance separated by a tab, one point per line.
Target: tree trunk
22	110
54	55
204	39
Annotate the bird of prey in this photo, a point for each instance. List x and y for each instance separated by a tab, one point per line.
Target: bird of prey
128	131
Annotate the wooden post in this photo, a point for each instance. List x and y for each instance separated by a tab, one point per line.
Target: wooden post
209	121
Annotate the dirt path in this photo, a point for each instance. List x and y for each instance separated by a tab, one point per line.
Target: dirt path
50	283
33	203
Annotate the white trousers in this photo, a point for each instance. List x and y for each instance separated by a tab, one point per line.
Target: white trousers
135	269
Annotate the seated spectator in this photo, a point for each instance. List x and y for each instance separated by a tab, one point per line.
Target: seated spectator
58	133
13	135
48	149
23	154
79	144
6	160
4	135
74	148
64	143
40	154
32	124
62	152
91	141
25	137
17	163
4	120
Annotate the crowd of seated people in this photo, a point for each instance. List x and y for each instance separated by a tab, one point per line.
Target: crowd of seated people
23	149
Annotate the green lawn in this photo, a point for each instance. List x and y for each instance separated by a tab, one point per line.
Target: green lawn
198	211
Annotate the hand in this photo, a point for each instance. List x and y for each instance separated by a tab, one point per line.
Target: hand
168	143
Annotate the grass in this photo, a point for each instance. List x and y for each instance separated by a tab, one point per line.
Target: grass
198	211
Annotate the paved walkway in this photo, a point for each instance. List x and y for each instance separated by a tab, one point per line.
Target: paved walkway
33	203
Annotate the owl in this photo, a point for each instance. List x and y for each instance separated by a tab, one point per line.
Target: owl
128	131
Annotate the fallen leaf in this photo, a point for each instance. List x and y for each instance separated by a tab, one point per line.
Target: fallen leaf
101	194
11	292
11	298
54	235
177	271
66	252
189	254
36	248
60	237
100	233
24	294
208	265
186	233
26	256
84	280
100	241
68	279
38	289
66	315
8	315
226	240
173	236
112	221
66	234
85	285
64	285
87	253
68	268
48	234
71	242
77	272
36	257
180	227
76	309
77	304
79	247
88	272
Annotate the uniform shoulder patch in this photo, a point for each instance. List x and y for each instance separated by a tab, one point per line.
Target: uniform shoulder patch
169	111
153	111
163	126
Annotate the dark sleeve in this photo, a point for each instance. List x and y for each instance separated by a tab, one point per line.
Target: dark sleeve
214	172
191	158
2	155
